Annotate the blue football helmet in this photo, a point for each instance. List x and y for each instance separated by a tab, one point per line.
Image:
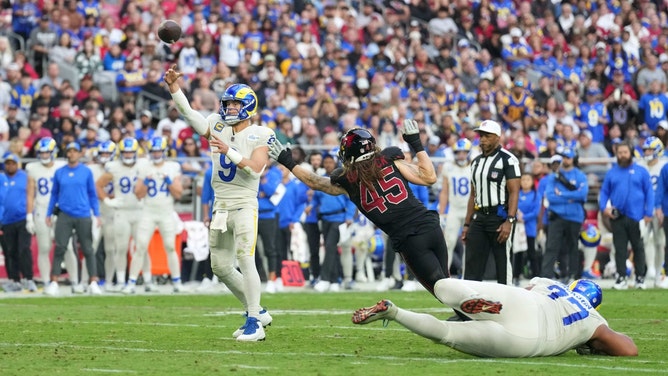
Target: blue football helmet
240	93
463	145
357	145
157	144
128	145
589	290
655	145
46	145
105	152
590	236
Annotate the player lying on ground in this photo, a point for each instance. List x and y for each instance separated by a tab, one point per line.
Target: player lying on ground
547	318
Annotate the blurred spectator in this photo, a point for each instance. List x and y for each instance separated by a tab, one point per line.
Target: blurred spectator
23	93
87	60
195	164
652	107
63	52
51	77
114	60
144	130
130	80
25	14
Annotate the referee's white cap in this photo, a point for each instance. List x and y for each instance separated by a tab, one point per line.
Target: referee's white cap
489	126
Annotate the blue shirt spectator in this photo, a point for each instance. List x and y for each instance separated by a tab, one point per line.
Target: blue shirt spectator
74	192
629	190
653	106
268	185
292	204
529	204
566	203
14	202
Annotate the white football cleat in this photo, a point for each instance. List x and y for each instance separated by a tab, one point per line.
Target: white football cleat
322	286
265	320
130	288
253	331
78	289
52	289
271	287
94	288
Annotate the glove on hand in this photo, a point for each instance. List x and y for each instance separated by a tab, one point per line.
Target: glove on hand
411	134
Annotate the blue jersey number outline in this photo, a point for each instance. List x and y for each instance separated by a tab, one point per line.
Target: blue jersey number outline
560	292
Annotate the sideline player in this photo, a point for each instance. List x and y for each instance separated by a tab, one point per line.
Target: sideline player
547	318
239	155
103	154
40	184
127	208
455	193
377	182
652	232
158	186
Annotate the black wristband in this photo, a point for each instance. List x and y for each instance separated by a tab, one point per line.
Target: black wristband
285	158
466	225
416	145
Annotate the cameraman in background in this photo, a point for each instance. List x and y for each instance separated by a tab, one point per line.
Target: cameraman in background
566	192
627	188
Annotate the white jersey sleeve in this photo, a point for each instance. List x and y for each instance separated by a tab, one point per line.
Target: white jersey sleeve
232	187
459	185
43	177
156	179
568	317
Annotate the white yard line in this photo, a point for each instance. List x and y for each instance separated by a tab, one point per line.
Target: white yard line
103	370
355	357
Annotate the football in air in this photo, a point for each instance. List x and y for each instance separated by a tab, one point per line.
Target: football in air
169	31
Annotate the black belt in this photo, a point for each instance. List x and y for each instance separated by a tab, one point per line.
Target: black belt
489	210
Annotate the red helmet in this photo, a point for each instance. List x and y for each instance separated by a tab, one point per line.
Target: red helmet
357	145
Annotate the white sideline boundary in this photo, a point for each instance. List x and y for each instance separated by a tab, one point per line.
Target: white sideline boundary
354	357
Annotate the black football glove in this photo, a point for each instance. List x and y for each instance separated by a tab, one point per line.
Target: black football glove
281	154
412	135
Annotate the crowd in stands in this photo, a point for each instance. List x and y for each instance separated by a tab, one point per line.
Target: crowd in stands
581	75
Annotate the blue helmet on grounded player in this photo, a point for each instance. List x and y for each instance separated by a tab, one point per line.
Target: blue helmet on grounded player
44	146
589	290
357	145
157	149
238	93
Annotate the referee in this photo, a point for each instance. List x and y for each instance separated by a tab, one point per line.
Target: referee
492	206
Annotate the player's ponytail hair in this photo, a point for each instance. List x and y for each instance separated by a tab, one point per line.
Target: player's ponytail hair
365	172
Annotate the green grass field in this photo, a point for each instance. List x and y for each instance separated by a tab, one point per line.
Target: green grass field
312	335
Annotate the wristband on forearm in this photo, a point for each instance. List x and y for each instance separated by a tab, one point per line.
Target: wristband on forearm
285	158
234	156
415	143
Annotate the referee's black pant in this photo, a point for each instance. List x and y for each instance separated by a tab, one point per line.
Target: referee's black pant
480	241
625	230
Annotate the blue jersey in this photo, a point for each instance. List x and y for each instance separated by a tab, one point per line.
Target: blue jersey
654	106
253	41
292	204
22	97
515	49
207	191
89	8
568	204
629	190
74	192
573	74
269	183
547	67
595	116
529	204
15	198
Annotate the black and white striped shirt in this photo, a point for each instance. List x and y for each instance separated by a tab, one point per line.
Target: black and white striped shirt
489	175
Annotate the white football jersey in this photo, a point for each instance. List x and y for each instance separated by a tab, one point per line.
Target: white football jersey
654	171
125	180
459	183
98	170
157	195
569	319
234	188
43	177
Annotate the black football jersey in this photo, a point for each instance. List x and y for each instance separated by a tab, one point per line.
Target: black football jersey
391	206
